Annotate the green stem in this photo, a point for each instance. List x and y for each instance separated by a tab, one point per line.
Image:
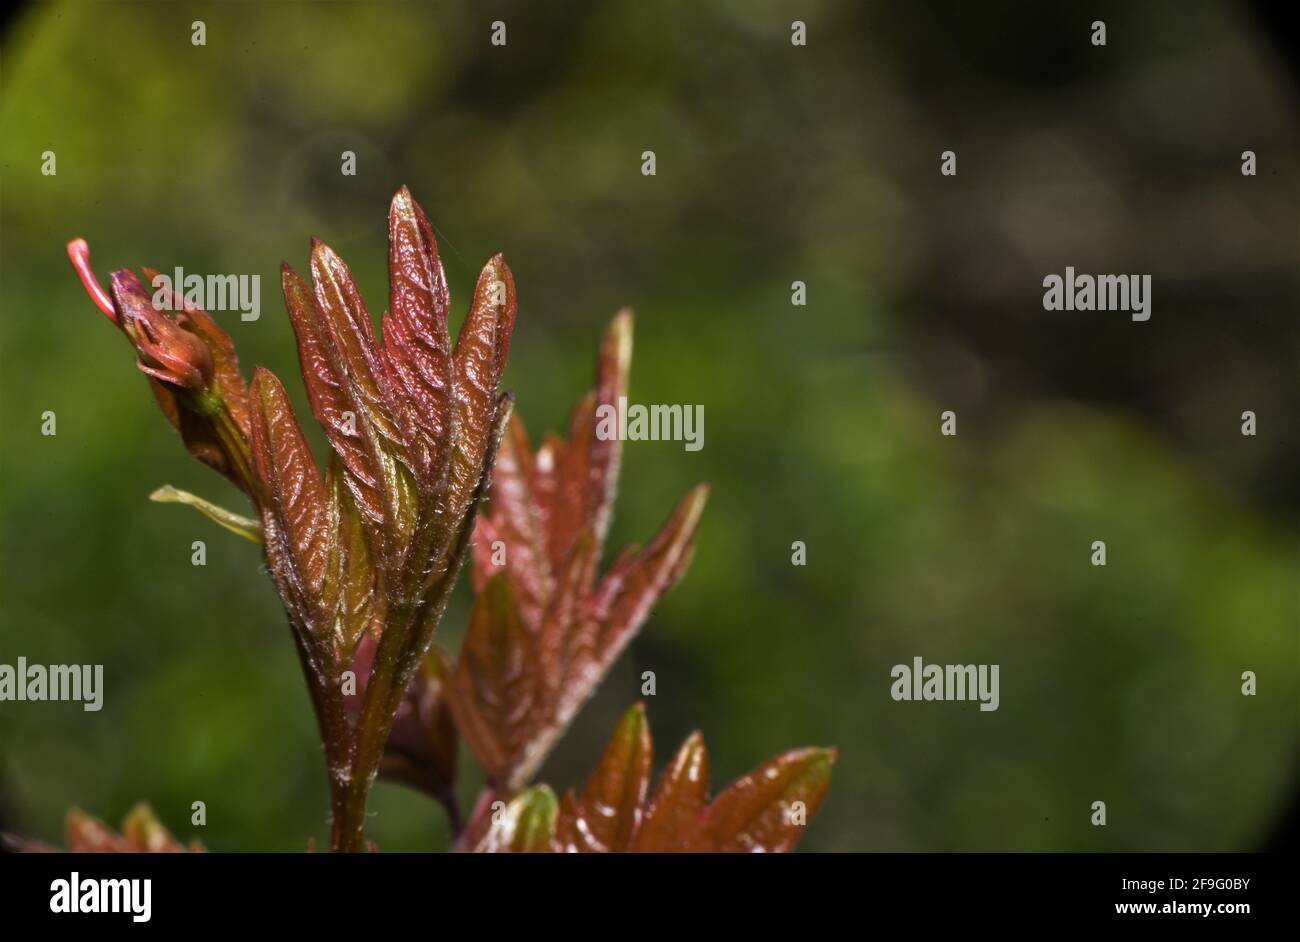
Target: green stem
232	439
406	637
331	719
371	734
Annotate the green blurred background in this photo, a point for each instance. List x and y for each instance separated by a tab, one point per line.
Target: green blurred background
774	164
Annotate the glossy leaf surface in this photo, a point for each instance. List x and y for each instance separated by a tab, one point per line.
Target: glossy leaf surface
766	810
546	627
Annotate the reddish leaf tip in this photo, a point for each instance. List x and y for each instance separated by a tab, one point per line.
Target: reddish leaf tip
264	385
403	199
320	252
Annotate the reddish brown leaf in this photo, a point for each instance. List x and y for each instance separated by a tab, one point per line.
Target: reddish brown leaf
611	802
766	810
586	478
611	385
294	513
515	531
494	690
672	817
544	530
337	409
623	601
417	347
476	368
568	662
352	335
89	835
547	484
567	511
762	811
546	652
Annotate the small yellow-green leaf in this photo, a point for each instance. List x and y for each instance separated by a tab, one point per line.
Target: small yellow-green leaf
247	527
527	825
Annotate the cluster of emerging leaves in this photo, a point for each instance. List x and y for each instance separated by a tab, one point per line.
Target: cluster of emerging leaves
142	832
375	543
765	810
365	555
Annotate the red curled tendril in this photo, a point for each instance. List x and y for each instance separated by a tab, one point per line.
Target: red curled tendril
79	255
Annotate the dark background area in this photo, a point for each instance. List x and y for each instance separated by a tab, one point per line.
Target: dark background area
775	164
